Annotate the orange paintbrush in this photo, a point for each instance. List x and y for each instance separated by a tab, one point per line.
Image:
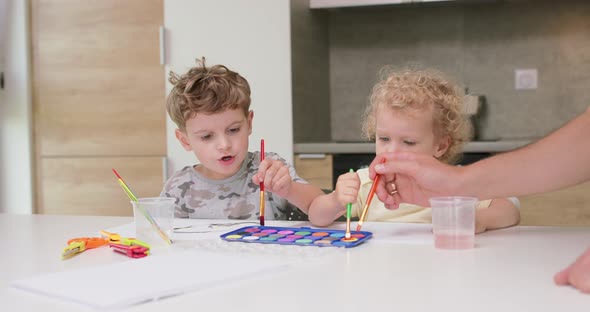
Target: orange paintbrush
368	202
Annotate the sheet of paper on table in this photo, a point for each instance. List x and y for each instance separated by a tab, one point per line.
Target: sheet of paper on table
151	278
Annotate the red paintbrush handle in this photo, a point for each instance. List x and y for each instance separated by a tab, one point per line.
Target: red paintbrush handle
117	174
261	159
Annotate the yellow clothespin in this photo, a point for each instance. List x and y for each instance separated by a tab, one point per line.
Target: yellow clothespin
80	244
111	237
127	241
72	249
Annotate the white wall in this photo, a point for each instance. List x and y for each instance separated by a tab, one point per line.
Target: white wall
15	110
251	37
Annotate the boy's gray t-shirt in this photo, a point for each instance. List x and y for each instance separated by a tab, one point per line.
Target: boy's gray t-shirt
236	197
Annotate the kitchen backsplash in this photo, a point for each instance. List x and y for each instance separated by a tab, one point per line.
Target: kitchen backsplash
477	44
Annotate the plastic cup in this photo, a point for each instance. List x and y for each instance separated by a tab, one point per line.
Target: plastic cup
453	222
161	209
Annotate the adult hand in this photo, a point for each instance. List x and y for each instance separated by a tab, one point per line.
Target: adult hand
417	177
576	274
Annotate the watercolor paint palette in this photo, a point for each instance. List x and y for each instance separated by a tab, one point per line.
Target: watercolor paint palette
303	236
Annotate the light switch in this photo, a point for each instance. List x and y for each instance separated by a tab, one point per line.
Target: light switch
525	79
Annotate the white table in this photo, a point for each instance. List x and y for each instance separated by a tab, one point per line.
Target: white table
397	270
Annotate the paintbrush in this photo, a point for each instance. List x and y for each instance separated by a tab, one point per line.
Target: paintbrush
143	210
348	214
261	185
368	202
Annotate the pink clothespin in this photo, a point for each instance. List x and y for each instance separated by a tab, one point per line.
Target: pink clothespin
133	251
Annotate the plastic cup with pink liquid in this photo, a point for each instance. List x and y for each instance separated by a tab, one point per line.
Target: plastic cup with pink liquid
453	222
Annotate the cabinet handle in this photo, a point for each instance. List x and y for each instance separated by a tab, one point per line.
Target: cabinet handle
165	168
162	45
311	156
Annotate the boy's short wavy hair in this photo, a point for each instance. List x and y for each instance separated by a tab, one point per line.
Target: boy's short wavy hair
413	90
206	90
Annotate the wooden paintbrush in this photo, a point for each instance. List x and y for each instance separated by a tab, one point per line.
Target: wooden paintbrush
368	202
262	185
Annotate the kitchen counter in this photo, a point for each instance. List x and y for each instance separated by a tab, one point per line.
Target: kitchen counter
367	148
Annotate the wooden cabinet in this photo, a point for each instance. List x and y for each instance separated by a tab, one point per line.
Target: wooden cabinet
567	207
316	169
87	185
331	4
98	103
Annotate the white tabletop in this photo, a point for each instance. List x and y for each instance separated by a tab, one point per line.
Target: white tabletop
398	269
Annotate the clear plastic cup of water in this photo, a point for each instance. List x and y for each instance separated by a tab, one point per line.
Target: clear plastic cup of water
161	210
453	222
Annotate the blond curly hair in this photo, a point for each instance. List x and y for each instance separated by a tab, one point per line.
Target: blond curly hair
206	90
411	90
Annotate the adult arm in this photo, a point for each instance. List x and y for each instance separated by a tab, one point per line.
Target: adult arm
557	161
554	162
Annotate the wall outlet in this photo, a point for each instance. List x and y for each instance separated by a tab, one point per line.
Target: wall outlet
525	79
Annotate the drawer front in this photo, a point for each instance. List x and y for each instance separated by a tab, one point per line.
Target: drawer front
567	207
316	169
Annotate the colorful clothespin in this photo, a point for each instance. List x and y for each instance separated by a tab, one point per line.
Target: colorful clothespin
78	245
127	241
72	249
134	251
111	237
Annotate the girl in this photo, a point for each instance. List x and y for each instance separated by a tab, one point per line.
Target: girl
415	111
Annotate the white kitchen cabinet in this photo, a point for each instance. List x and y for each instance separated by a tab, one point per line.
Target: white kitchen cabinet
251	37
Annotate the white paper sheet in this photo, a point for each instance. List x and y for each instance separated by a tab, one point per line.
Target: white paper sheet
151	278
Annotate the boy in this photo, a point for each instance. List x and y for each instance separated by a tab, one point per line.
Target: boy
211	107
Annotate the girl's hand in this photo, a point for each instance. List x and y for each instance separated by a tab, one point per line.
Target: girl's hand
347	188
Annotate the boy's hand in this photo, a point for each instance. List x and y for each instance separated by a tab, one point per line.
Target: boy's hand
276	177
347	188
